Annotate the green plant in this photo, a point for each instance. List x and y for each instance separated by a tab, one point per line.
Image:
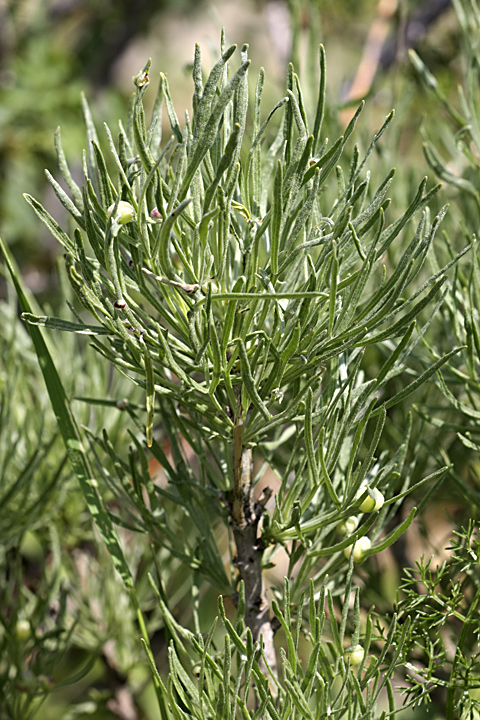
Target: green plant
237	274
438	614
438	602
60	600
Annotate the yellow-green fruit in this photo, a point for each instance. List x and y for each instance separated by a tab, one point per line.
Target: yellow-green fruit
359	549
348	526
374	500
355	654
23	630
124	213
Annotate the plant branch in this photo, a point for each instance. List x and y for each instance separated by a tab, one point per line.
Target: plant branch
245	519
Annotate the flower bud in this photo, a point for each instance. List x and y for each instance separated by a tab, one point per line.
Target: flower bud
359	549
355	653
124	213
348	526
23	630
374	500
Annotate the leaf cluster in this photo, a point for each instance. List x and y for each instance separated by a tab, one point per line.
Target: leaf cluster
317	678
237	273
231	294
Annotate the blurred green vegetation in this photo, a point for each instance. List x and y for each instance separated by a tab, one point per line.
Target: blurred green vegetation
53	50
50	52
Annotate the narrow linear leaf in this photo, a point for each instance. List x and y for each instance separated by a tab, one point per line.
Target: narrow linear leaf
51	224
149	393
418	382
249	382
55	323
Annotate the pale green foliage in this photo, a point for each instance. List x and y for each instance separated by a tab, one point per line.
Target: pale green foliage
57	599
324	684
260	307
246	284
460	381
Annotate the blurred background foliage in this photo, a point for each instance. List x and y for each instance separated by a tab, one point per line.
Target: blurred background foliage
50	52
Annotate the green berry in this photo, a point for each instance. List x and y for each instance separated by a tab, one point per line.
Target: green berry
23	630
355	654
124	213
359	549
348	526
374	500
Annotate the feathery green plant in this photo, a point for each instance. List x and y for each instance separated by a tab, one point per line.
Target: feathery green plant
439	606
237	273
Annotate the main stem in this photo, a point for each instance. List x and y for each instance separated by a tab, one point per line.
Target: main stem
246	516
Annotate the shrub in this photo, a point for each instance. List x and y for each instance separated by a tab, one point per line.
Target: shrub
239	274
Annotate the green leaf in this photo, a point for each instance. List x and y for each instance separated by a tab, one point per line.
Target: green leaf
51	224
418	382
55	323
